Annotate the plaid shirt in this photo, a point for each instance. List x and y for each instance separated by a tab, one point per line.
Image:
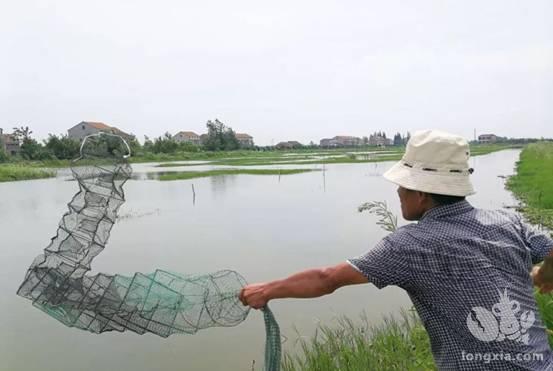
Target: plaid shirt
466	271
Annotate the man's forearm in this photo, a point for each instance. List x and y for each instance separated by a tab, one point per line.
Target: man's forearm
311	283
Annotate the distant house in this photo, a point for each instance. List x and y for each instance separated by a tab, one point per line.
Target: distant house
245	140
380	140
84	128
9	143
291	144
187	137
341	141
487	138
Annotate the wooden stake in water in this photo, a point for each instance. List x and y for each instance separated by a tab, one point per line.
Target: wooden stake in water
193	195
324	178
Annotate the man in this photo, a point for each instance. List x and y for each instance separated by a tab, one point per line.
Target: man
466	270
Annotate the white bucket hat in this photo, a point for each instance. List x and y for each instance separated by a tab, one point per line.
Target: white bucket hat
434	162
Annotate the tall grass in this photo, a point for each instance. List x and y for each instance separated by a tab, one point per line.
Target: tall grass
533	185
13	172
533	181
397	344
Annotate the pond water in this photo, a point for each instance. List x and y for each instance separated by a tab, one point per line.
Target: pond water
264	227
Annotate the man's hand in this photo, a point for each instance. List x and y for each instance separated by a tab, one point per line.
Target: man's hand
254	295
541	275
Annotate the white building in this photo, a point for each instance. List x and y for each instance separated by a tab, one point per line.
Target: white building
341	141
9	143
380	140
245	140
487	138
84	128
187	137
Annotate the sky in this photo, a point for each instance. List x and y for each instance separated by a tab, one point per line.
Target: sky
286	70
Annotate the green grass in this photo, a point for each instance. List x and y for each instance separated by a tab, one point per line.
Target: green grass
13	172
545	307
202	174
533	185
484	149
397	344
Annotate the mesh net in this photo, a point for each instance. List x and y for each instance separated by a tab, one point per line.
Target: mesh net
161	303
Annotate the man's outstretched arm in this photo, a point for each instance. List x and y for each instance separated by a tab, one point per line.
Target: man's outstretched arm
310	283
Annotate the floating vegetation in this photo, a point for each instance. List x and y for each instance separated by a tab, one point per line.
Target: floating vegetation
181	175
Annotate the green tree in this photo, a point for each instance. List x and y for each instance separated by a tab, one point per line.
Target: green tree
398	140
148	144
220	137
62	147
229	140
188	147
406	138
32	150
22	133
165	144
3	154
134	145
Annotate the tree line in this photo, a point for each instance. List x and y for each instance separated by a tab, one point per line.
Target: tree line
219	137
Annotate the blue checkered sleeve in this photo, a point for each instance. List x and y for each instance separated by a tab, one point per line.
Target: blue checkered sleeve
383	265
538	243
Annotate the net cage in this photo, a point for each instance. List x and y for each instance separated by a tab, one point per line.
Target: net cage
162	303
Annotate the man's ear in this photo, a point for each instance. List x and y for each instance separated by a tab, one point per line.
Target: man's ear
424	198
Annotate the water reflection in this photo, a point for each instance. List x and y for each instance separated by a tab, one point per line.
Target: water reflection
219	184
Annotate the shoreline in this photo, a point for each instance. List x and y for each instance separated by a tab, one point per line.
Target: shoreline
29	170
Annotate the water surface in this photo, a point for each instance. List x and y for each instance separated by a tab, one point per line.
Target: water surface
264	227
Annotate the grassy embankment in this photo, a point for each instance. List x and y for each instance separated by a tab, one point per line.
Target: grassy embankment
11	172
533	185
